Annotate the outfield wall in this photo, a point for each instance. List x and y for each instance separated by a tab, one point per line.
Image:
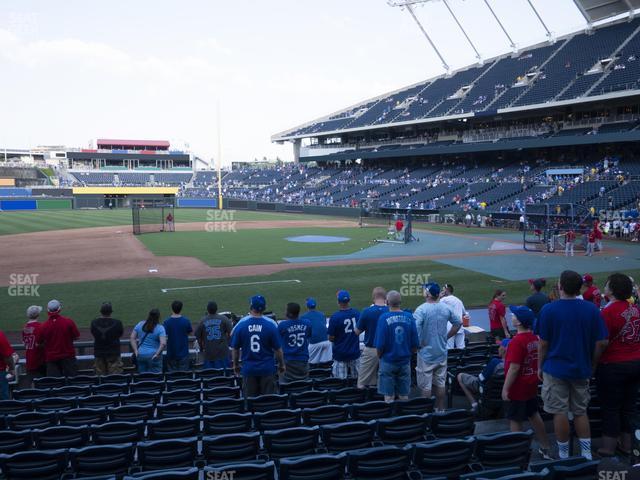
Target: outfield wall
36	204
233	204
185	202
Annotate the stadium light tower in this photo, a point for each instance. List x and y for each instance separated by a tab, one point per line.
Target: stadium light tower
408	5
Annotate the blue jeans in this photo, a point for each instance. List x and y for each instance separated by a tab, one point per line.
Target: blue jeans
222	363
394	379
178	364
146	364
4	386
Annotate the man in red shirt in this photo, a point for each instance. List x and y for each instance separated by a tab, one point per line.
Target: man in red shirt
6	363
399	227
57	335
591	291
521	378
34	352
569	239
597	233
618	373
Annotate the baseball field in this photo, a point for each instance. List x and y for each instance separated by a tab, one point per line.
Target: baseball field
85	257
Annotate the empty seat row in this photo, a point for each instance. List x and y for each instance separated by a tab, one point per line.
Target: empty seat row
449	423
446	457
157	386
309	398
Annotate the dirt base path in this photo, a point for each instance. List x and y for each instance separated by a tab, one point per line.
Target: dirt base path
110	253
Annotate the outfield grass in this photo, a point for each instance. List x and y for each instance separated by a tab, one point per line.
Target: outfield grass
256	247
43	220
133	298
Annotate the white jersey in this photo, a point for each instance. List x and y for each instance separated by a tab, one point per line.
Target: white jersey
455	304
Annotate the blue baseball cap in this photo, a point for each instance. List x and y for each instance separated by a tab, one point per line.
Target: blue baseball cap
343	296
505	342
433	288
311	302
258	303
524	315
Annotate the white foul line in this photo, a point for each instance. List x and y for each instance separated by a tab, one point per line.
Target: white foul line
165	290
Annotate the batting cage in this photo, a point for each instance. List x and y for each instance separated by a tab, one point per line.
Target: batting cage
549	227
396	227
153	219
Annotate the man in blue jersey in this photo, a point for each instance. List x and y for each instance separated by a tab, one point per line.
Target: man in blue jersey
368	368
257	336
178	328
294	334
319	346
342	333
396	340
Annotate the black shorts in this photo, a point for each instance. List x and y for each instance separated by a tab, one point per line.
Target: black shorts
521	410
498	333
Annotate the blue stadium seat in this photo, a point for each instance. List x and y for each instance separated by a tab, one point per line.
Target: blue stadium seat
12	441
176	427
140	398
45	383
347	395
296	387
291	442
313	467
82	416
183	384
452	423
226	423
509	449
223	405
348	436
102	459
444	457
218	381
414	406
53	404
110	389
118	432
127	413
213	393
381	463
61	437
327	414
30	394
310	399
265	403
277	419
31	420
237	447
174	474
184	395
165	454
371	410
402	430
178	409
13	407
99	401
153	386
49	465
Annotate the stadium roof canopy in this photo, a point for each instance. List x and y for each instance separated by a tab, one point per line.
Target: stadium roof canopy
596	10
133	143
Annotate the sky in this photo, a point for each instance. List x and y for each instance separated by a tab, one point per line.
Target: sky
72	71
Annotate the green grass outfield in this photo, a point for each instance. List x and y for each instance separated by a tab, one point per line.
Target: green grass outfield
256	247
133	298
39	221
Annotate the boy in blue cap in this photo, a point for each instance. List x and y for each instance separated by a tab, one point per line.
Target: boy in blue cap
258	338
295	333
521	381
342	333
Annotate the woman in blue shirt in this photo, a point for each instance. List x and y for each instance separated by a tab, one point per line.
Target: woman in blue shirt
148	340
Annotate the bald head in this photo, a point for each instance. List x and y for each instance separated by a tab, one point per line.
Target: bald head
394	299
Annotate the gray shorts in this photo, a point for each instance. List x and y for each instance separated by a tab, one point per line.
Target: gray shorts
368	369
471	382
564	396
431	374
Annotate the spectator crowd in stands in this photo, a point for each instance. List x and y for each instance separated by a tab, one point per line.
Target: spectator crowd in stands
561	340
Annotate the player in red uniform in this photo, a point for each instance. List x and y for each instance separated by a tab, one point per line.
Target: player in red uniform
569	239
591	244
